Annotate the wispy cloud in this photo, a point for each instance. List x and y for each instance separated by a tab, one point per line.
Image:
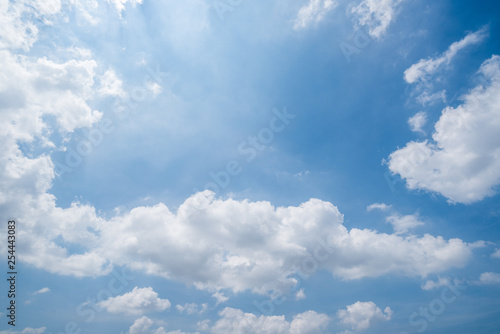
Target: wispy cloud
313	12
377	15
427	67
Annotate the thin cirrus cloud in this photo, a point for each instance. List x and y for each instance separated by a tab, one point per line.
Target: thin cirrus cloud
361	315
427	67
463	161
378	206
136	302
41	291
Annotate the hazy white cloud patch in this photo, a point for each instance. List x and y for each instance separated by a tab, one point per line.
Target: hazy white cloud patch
430	284
377	15
418	121
403	224
192	308
489	278
378	206
41	291
496	254
313	12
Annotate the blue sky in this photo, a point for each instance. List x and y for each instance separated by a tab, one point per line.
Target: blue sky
301	166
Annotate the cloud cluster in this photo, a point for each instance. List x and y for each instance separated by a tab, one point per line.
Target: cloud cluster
361	315
242	245
463	161
236	321
377	15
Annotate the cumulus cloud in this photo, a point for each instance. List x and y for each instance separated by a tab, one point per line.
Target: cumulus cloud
378	206
242	245
427	67
361	315
489	278
376	14
136	302
418	121
463	161
403	224
313	12
236	321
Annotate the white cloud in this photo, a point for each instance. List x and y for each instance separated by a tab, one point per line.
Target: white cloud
120	4
376	14
378	206
313	12
430	285
361	315
192	308
418	121
428	98
43	290
220	297
427	67
136	302
496	254
463	162
403	224
489	278
236	321
242	245
111	85
17	32
144	326
300	295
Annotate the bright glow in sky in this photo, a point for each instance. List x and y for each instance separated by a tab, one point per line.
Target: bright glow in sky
235	166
